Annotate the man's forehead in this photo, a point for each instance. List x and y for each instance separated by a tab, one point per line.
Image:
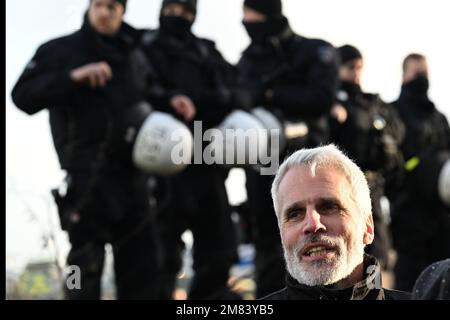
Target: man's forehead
417	64
301	184
303	175
354	63
175	6
108	2
312	200
105	1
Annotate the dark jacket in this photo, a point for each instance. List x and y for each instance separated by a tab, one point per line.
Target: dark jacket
85	122
363	290
420	221
427	129
193	67
300	72
433	283
372	133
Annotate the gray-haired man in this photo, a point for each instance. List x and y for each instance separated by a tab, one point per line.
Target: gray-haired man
324	213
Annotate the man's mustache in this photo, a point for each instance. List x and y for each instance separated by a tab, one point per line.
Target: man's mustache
318	238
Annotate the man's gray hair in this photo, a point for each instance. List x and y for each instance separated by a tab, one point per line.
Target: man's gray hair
326	157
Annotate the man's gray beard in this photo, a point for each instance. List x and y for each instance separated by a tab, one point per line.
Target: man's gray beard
326	271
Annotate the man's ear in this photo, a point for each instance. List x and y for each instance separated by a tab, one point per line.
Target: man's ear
369	230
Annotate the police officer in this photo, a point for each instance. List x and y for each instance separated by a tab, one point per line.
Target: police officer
91	81
370	131
421	220
195	199
295	78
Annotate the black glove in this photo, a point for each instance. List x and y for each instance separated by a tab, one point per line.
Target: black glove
258	96
242	99
249	98
220	97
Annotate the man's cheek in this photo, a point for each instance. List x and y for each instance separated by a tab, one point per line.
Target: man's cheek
289	240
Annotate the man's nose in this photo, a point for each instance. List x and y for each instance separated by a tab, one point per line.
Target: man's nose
312	222
103	11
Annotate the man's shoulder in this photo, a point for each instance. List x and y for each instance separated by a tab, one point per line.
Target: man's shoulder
316	49
249	50
309	44
153	36
208	45
207	42
62	41
441	116
277	295
149	36
315	42
376	100
391	294
208	48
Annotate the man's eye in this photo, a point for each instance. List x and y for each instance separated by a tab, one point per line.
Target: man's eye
329	208
295	214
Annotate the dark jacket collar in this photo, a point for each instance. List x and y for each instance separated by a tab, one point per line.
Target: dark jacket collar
284	36
352	89
353	94
278	43
171	41
193	48
367	289
415	103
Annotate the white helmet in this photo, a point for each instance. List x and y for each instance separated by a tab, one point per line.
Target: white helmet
244	139
444	183
163	145
270	123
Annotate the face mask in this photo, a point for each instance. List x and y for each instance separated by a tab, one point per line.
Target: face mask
351	87
418	86
177	27
260	31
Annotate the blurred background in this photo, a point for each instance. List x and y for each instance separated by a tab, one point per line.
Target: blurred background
385	31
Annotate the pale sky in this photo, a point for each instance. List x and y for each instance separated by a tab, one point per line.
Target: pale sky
384	30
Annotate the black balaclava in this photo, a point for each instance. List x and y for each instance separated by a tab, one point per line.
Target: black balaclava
418	86
276	23
352	89
417	90
177	27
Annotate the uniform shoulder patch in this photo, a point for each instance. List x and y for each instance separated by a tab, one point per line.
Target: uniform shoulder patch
341	95
327	54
